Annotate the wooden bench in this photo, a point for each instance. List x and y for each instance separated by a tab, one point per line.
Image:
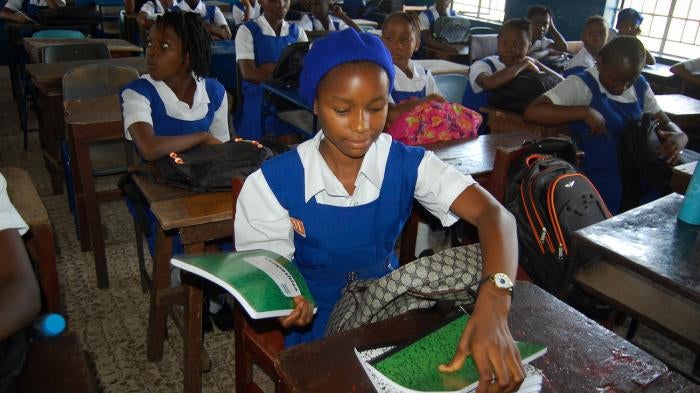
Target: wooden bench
39	239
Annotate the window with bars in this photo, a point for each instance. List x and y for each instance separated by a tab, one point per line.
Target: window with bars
489	10
670	27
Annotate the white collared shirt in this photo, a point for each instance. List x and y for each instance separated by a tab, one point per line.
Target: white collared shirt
542	43
262	223
423	20
137	108
17	4
582	58
481	67
420	79
237	14
574	91
9	217
245	47
201	10
309	24
153	7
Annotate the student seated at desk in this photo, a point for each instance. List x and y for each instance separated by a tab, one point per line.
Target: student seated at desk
150	10
212	17
348	192
19	292
599	103
427	19
259	44
321	20
244	11
27	8
688	70
628	22
594	36
542	24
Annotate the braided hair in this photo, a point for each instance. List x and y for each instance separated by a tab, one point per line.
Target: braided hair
195	39
521	24
627	48
409	17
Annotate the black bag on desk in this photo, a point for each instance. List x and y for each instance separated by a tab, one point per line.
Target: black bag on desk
451	29
289	65
211	167
68	16
517	94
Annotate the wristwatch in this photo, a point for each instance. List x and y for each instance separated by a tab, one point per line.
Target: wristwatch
500	280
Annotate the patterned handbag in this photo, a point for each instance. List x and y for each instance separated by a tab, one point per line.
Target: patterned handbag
435	121
451	275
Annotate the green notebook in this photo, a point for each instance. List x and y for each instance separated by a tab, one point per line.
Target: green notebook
263	282
414	367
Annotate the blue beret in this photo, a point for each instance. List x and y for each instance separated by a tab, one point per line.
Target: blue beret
339	48
630	14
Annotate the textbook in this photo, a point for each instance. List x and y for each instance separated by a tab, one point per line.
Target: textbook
413	367
263	282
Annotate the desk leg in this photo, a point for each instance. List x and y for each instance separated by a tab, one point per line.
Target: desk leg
160	280
41	247
50	132
408	239
192	367
80	210
244	363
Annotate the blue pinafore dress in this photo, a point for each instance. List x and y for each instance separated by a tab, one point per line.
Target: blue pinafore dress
476	101
431	18
164	125
400	96
248	120
341	244
208	16
600	162
335	23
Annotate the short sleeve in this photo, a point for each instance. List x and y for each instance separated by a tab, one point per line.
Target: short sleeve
478	68
135	108
650	104
302	36
306	24
14	4
219	126
692	65
148	8
572	91
237	14
219	18
245	49
423	21
9	217
431	86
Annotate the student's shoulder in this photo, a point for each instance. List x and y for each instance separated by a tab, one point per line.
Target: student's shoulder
143	86
215	90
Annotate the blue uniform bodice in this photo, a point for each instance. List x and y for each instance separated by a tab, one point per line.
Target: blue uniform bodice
400	96
344	242
208	16
431	18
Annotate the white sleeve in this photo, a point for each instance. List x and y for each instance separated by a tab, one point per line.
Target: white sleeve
136	108
571	91
261	222
14	5
423	21
245	49
476	69
9	217
692	65
219	127
431	86
237	15
438	185
219	18
650	104
302	36
305	23
148	8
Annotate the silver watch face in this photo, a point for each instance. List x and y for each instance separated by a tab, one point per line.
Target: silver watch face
502	281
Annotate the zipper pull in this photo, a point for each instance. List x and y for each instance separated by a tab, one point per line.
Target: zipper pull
543	235
560	252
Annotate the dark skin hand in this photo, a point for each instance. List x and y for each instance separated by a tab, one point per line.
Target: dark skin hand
682	72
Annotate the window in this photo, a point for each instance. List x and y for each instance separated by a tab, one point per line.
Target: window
670	27
489	10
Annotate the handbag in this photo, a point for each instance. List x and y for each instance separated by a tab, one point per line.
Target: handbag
517	94
448	278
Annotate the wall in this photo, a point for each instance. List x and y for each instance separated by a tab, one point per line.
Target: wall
568	15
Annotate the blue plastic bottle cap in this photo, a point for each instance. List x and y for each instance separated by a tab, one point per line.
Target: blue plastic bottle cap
53	325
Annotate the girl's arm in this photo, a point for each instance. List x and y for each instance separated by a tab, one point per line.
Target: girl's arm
650	60
55	3
152	147
543	111
501	77
560	43
673	139
12	16
548	70
680	70
428	40
252	73
338	12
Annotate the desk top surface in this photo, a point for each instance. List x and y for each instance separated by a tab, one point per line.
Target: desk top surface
678	104
50	76
686	169
439	66
651	241
658	69
582	356
114	44
289	93
97	110
197	209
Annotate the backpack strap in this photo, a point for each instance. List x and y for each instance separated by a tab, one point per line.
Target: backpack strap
490	64
211	12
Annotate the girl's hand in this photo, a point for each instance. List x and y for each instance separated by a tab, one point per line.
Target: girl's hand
224	33
211	140
529	64
672	144
302	314
595	121
434	97
338	11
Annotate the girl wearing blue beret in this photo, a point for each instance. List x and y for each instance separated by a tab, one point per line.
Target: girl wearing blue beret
337	203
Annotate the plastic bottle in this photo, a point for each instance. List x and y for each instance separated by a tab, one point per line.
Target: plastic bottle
690	209
48	325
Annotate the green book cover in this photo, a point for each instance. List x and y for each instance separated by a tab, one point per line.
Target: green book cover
414	367
263	282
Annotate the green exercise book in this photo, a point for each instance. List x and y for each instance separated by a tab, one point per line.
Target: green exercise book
263	282
414	367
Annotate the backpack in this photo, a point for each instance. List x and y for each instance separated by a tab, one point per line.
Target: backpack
444	280
289	65
451	29
517	94
211	167
550	199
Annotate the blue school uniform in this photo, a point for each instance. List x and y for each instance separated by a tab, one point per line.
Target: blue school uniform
333	22
474	100
164	125
398	95
431	18
600	163
361	248
208	16
248	121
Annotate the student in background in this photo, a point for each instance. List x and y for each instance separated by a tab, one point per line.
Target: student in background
427	19
19	292
244	11
214	20
320	20
259	44
351	173
594	36
598	104
688	70
628	22
150	10
542	24
27	9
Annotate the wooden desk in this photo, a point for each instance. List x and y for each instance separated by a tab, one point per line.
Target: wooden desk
40	238
438	67
500	120
581	355
298	120
657	258
461	55
117	47
48	79
681	177
681	109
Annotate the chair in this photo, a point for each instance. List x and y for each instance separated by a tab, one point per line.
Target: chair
72	52
58	34
452	86
482	45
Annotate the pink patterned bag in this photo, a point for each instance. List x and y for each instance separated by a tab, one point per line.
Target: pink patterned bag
435	121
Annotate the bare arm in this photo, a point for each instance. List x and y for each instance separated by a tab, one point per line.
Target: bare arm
54	3
501	77
11	16
681	71
130	6
19	291
560	43
543	111
152	147
338	12
143	21
650	60
252	73
673	139
429	41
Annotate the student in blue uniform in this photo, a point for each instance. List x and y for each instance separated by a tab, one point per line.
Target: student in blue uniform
542	24
594	36
427	19
337	203
212	17
628	23
599	103
150	10
320	19
259	44
27	8
244	11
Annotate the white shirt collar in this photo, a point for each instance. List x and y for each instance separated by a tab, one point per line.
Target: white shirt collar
417	70
168	95
200	8
318	177
266	28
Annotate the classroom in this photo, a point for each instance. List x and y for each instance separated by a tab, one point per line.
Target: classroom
215	196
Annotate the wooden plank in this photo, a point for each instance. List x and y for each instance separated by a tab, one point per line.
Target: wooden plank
438	67
24	196
681	177
193	210
34	46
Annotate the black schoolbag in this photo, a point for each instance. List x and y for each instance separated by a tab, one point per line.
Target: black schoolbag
517	94
451	29
211	167
289	65
550	198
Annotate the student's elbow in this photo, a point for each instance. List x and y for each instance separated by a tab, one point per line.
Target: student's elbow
677	69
